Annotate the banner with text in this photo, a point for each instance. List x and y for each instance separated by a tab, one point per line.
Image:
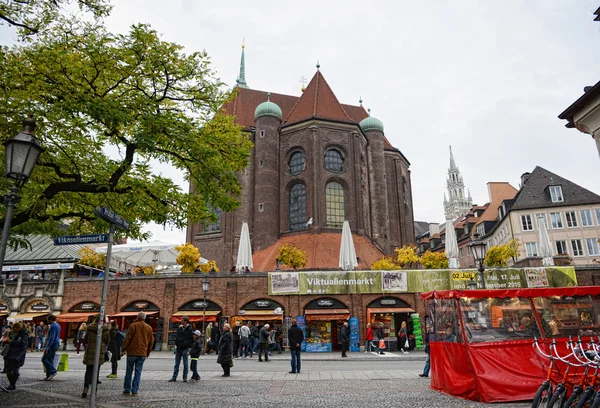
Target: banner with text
416	281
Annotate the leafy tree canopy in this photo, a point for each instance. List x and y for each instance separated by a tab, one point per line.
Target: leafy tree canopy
290	255
107	106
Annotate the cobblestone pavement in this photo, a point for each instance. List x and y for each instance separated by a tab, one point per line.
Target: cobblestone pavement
325	389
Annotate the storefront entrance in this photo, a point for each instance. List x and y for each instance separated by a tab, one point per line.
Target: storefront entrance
195	310
324	320
391	312
263	311
129	315
36	311
70	322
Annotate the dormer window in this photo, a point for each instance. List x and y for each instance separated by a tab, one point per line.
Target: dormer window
556	194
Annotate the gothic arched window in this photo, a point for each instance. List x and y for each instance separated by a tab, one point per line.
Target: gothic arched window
215	226
297	162
334	205
298	207
334	161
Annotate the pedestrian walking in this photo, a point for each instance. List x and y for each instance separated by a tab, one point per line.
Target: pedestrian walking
52	345
380	337
183	343
215	337
368	338
39	337
244	333
137	345
403	338
195	354
81	337
114	346
277	335
236	338
427	351
31	332
14	357
207	338
88	356
345	338
263	343
225	350
295	340
254	330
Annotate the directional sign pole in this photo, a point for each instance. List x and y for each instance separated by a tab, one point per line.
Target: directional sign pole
101	318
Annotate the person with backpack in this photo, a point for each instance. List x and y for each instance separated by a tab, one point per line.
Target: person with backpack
114	346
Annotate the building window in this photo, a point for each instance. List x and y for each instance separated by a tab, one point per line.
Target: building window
298	207
598	216
461	253
261	207
586	218
571	219
556	194
261	133
334	205
531	249
577	247
592	246
297	163
215	226
334	161
561	248
469	251
262	163
526	223
556	220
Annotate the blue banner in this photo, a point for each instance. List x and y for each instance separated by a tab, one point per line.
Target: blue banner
81	239
354	334
301	323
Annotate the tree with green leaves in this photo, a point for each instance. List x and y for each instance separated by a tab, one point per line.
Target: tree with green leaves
109	108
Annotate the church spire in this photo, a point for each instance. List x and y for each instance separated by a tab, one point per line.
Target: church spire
241	81
459	201
452	164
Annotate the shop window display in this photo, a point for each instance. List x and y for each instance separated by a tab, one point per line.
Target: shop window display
318	336
569	316
498	319
447	324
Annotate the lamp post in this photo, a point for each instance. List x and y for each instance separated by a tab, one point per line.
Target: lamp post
478	247
22	152
205	286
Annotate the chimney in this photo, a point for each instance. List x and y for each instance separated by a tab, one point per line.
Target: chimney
524	178
434	228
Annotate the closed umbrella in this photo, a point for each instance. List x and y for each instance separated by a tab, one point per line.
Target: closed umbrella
244	256
347	252
545	244
451	246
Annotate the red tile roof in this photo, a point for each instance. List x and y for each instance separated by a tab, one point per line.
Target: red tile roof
499	191
322	250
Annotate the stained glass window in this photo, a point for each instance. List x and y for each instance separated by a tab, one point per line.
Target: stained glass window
334	205
334	161
298	207
297	163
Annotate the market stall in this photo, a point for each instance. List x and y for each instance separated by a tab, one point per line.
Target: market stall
195	310
390	311
263	310
324	320
481	340
129	313
70	322
36	310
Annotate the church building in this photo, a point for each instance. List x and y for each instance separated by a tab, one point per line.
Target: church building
315	163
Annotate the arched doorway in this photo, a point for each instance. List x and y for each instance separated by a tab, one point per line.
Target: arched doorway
129	314
324	320
195	310
391	311
70	322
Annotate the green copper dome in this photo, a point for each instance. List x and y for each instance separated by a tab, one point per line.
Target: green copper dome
268	108
371	123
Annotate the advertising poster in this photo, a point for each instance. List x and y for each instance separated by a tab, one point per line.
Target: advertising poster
301	323
354	334
416	281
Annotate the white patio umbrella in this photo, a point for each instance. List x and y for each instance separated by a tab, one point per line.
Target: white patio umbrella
139	246
151	253
244	255
545	244
451	246
347	252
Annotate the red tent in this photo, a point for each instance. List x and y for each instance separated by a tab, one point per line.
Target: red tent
481	342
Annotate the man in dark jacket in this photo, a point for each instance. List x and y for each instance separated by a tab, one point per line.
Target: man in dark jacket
380	336
195	354
254	338
345	338
16	343
263	343
183	342
295	339
215	337
236	338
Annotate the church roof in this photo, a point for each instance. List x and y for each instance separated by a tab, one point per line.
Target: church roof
318	102
322	251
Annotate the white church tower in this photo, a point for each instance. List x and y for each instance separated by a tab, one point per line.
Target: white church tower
459	202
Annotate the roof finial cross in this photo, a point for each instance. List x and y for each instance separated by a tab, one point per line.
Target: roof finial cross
303	81
318	65
360	100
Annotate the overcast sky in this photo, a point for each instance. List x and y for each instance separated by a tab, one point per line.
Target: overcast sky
489	79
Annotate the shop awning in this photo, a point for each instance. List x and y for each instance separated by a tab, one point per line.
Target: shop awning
196	315
261	312
28	316
390	310
2	314
74	317
129	314
327	314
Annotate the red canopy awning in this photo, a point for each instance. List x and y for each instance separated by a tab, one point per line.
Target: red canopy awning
74	317
509	293
129	314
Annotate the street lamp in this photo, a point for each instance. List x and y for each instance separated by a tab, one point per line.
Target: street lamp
22	152
205	286
478	247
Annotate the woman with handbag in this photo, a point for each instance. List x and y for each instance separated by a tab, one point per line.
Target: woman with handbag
225	350
403	338
16	349
88	356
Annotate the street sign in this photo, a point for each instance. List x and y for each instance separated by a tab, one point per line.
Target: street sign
81	239
111	217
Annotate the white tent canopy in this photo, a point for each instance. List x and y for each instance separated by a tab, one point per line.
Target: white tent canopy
348	259
545	244
244	256
153	253
139	246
